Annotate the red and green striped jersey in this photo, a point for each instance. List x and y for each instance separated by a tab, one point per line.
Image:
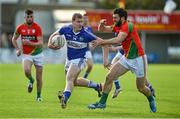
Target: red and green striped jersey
131	45
30	33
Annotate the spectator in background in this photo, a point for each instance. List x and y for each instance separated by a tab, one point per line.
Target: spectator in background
4	40
88	55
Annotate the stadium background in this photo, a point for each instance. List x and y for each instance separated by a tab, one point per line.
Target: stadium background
160	35
159	31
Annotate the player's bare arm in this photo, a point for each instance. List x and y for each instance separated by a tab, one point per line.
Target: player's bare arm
96	42
14	39
115	48
105	50
105	56
50	45
39	43
116	40
103	27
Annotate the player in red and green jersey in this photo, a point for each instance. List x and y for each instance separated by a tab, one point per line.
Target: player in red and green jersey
32	41
120	52
134	59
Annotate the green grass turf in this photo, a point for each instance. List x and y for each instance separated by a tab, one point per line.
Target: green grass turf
16	102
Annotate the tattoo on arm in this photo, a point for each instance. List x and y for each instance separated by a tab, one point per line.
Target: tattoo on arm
122	36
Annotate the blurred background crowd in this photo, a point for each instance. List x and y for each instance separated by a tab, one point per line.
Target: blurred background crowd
157	22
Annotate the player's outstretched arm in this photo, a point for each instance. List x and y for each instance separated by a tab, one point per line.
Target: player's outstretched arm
116	40
115	48
96	42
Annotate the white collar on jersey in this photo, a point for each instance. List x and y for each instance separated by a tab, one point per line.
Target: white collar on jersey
76	32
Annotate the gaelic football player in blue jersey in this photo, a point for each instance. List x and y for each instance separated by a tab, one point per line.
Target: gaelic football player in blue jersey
77	39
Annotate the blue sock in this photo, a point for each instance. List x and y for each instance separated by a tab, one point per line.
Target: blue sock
93	85
117	85
86	75
67	94
150	87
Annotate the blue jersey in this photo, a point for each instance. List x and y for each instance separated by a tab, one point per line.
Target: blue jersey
77	43
88	28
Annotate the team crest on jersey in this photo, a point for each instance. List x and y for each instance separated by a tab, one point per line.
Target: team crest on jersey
81	38
33	31
23	30
75	37
69	35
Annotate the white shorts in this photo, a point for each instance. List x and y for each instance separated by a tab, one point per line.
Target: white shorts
88	55
137	65
35	59
80	62
117	56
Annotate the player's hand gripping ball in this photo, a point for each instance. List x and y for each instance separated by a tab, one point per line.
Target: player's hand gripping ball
58	41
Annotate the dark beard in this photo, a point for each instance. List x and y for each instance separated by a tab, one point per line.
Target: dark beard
29	23
118	23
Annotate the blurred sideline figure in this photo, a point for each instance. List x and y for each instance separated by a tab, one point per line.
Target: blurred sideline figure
170	6
32	42
88	55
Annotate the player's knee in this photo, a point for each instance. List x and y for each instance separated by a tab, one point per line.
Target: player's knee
140	89
27	72
76	83
141	84
90	67
70	78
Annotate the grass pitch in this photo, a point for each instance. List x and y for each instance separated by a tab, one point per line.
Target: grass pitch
15	102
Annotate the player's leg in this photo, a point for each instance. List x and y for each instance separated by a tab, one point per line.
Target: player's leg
90	84
27	65
140	82
117	85
39	71
85	82
89	63
71	75
116	71
147	82
141	79
151	88
38	63
89	67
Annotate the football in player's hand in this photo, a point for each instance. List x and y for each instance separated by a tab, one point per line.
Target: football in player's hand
58	41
